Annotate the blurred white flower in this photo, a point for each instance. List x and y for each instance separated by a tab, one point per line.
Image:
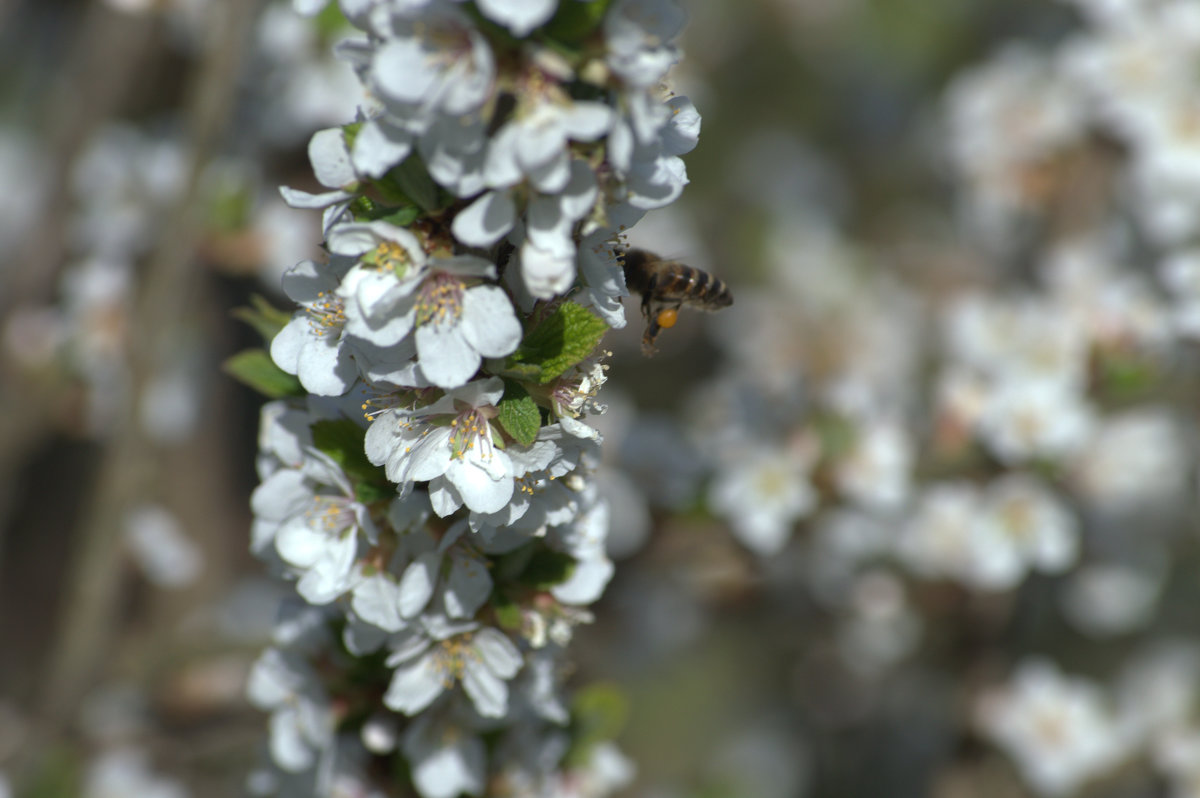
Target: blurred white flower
161	548
1111	598
123	772
876	472
1134	459
1059	730
762	493
1026	420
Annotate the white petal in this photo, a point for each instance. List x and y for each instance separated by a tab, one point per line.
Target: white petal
416	585
289	749
455	768
480	393
579	197
281	495
323	368
414	686
552	176
330	158
299	544
486	220
401	71
376	601
447	360
545	273
287	343
549	227
479	490
586	583
302	199
498	652
488	692
443	497
519	16
501	169
427	457
587	121
489	323
467	587
542	137
682	134
378	147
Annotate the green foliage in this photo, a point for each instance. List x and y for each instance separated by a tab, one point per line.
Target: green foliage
330	23
547	568
598	713
556	342
256	369
266	319
508	612
535	566
343	442
410	184
837	434
231	207
367	210
56	775
519	414
575	22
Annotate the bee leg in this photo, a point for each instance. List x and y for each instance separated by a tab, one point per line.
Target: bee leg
652	330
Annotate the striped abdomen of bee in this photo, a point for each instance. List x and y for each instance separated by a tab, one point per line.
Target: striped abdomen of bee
666	286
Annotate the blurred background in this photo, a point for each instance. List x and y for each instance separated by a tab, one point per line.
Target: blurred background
916	516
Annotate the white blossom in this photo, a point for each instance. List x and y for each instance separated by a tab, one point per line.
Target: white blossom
1059	730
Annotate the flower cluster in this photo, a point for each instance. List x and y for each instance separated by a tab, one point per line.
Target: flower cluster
432	497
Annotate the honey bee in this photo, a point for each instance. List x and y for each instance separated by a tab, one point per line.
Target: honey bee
666	286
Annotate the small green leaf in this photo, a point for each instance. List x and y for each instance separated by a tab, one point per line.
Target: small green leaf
266	319
598	713
519	414
401	214
547	568
255	368
508	614
371	492
408	183
343	441
574	22
330	23
837	433
402	217
565	337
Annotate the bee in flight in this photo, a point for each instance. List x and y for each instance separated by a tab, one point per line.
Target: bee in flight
666	286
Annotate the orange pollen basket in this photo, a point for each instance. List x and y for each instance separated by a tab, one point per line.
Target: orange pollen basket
667	318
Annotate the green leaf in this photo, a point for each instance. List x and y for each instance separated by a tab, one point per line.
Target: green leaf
563	338
547	568
266	319
56	772
598	713
408	183
837	433
343	441
519	414
508	614
255	368
371	492
402	214
574	22
330	23
401	217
